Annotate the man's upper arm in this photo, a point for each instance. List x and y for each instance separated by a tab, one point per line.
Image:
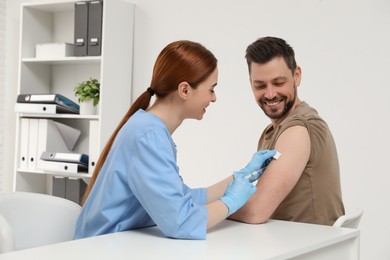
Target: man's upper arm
280	176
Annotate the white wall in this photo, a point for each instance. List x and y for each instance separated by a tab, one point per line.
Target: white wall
343	49
2	88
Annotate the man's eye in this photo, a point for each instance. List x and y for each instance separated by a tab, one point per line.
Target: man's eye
260	86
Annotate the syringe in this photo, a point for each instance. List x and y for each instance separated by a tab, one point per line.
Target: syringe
276	156
254	173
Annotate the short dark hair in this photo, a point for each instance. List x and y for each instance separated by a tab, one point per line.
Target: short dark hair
265	49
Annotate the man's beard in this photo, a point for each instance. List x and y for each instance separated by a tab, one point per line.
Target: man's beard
285	110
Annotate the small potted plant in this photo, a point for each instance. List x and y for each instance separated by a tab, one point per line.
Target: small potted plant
88	93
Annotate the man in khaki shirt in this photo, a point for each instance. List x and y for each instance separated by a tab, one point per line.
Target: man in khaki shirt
303	185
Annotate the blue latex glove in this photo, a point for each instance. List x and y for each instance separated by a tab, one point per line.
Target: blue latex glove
237	193
260	161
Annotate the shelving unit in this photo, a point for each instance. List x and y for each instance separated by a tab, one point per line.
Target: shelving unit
53	22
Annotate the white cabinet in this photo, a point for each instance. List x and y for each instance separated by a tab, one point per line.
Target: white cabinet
43	23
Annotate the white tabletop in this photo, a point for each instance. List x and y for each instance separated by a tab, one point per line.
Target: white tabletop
228	240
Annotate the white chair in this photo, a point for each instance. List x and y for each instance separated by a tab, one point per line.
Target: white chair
32	219
350	220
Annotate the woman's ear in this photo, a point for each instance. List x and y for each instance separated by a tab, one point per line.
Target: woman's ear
183	89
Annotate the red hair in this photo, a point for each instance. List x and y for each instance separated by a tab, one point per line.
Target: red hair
180	61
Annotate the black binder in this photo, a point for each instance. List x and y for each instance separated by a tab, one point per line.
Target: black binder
81	28
95	28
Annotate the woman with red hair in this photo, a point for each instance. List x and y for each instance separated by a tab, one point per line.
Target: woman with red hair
136	181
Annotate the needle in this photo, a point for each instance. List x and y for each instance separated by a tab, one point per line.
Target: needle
276	156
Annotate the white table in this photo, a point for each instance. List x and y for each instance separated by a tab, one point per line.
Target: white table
228	240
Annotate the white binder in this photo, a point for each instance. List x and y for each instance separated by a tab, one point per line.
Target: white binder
94	150
50	166
32	144
44	109
24	136
79	158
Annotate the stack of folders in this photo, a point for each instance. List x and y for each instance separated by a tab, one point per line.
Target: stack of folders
88	28
39	135
46	104
64	162
69	188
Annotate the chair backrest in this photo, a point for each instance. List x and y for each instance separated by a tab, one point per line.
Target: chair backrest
32	219
349	220
6	236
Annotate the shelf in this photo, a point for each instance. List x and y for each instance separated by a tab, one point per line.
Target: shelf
52	6
65	60
64	174
54	22
91	117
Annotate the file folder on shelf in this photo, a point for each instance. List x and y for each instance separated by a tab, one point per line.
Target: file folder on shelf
38	135
31	139
48	99
44	109
94	151
33	144
49	139
69	188
58	188
95	16
24	141
75	189
63	167
65	157
69	134
81	28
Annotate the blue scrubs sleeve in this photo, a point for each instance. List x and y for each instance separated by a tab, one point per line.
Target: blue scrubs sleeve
199	195
155	181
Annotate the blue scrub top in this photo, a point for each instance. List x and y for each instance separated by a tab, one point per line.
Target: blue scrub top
139	186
